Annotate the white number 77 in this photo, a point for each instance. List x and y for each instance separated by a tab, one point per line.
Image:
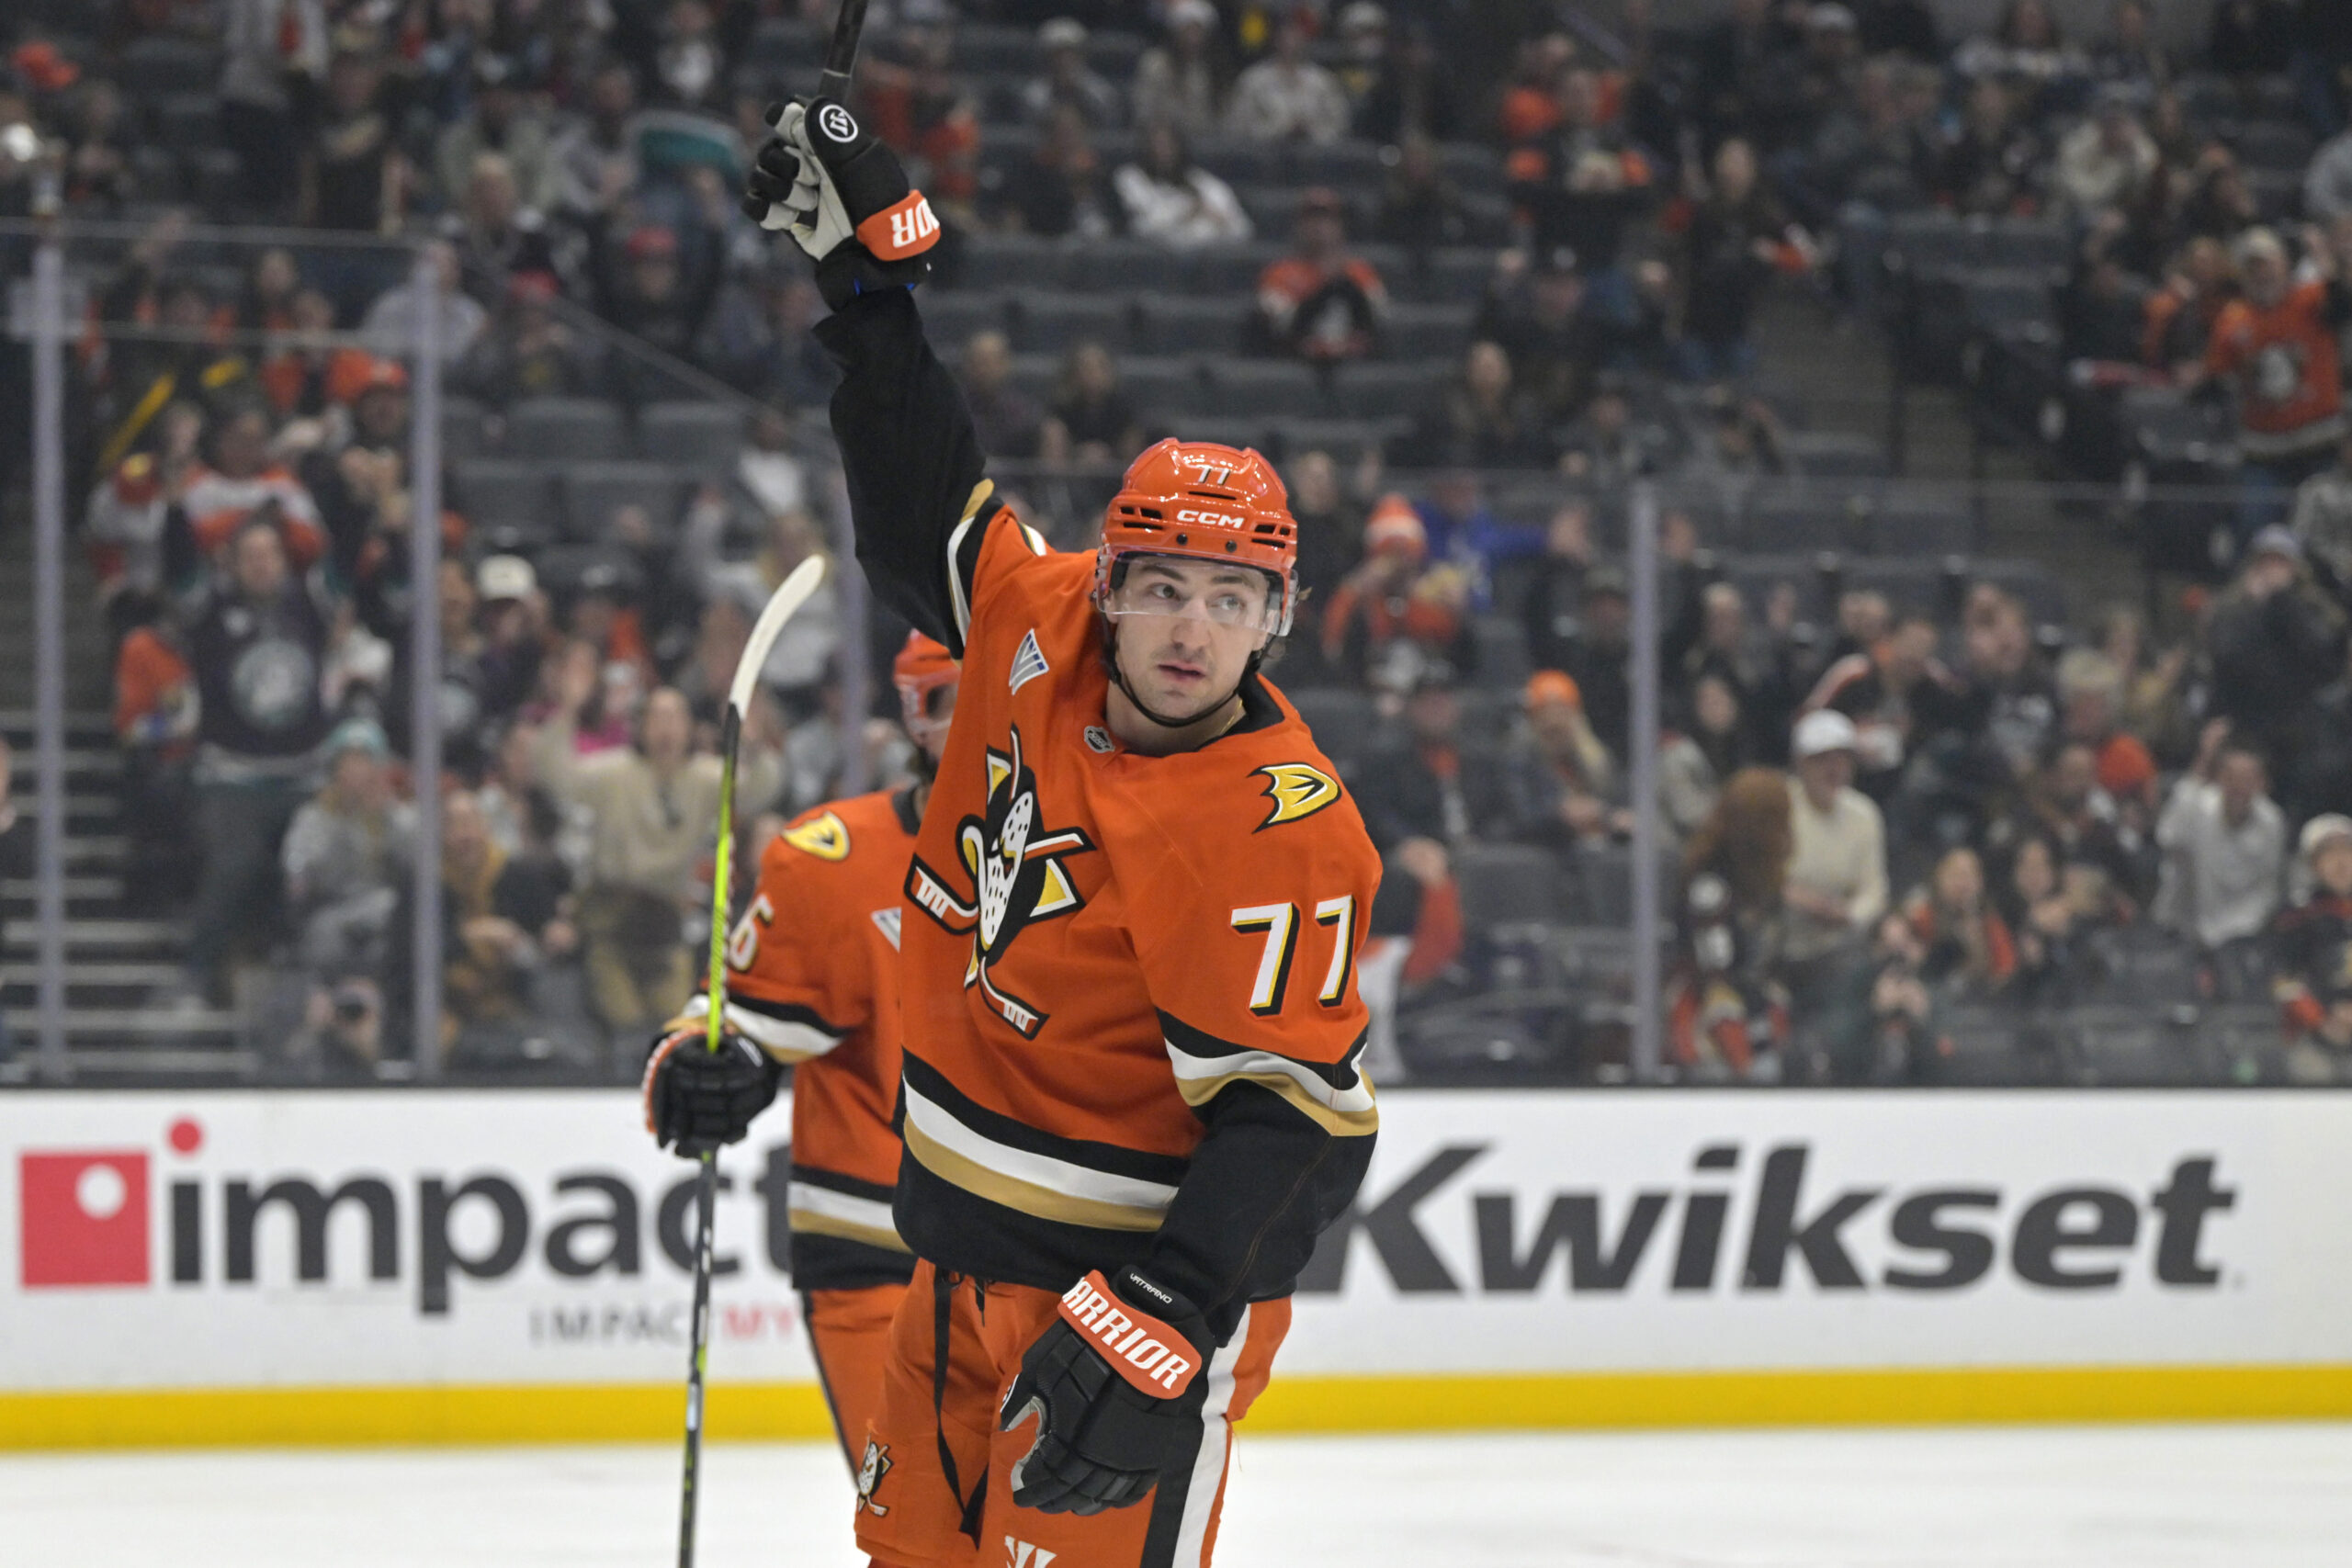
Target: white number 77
1280	922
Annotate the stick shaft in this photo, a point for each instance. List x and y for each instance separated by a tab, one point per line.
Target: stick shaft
842	56
731	736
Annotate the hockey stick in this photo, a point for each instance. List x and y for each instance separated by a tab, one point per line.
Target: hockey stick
788	597
833	81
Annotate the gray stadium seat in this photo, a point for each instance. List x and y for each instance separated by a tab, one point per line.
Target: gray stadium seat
562	568
1056	323
188	120
594	491
710	433
1180	325
1835	454
1341	719
1167	387
156	65
1507	885
1486	716
1340	165
2040	245
1239	162
951	316
1982	1045
1129	266
586	428
466	429
1794	516
1503	661
1264	387
2003	297
1374	389
1415	331
2134	1045
1908	525
1010	260
1230	270
492	491
1344	439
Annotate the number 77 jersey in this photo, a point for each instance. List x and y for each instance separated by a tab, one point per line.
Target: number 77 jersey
1113	960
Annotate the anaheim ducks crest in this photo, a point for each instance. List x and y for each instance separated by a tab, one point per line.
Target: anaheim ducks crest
1013	865
1295	791
825	836
869	1477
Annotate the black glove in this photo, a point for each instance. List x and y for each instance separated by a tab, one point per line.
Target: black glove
698	1099
843	196
1108	1381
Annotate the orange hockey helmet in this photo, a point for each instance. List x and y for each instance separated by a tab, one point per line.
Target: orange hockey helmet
922	667
1207	501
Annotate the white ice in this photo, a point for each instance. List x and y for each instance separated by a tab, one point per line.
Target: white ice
2268	1497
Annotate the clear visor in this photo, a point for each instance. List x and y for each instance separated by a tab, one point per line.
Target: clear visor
1252	606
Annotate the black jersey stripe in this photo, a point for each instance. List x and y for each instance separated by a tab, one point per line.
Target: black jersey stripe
1109	1158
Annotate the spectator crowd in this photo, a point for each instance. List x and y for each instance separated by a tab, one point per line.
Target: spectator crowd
1485	273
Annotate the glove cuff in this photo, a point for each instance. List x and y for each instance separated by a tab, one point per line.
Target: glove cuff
1144	1347
905	228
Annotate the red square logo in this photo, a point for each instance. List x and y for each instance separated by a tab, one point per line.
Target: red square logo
83	1217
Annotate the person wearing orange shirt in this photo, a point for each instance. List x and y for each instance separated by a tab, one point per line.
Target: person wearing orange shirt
240	480
2277	348
1320	302
813	982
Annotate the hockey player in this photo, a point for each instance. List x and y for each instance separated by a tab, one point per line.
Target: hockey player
813	979
1132	1096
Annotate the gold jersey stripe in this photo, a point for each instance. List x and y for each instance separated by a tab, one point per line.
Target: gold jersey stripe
1339	1123
807	1223
1039	1203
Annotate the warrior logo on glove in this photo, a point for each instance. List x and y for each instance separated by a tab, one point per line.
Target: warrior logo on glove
837	124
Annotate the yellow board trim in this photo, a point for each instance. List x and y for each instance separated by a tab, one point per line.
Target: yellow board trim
655	1412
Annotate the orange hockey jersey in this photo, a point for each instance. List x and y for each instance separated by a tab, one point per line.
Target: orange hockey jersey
1100	943
2290	388
813	978
1131	1024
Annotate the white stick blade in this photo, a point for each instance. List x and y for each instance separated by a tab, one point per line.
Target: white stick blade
782	605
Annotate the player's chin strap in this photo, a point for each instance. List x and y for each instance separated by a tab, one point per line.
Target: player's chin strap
1111	667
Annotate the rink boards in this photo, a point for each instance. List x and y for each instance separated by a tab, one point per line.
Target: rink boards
320	1267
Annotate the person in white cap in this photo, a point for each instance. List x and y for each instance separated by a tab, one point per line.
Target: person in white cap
1067	81
1837	877
1177	81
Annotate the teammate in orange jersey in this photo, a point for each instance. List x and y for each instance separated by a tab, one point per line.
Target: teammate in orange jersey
1131	1095
813	979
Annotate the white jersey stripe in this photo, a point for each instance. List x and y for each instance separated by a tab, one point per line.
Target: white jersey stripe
1037	1170
1190	1068
1216	1442
872	1212
787	1038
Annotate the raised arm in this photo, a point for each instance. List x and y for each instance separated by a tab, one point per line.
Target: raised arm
918	489
917	494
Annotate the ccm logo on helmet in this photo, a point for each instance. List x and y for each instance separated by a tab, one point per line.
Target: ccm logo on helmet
1222	520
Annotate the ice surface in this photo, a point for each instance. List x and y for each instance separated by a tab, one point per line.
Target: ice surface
2271	1497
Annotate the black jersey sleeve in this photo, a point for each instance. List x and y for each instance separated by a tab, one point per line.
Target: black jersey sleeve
918	489
1263	1185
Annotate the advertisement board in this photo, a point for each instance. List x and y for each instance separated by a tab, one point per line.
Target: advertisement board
483	1266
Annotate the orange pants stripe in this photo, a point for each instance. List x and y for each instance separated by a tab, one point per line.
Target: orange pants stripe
849	1334
910	1515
